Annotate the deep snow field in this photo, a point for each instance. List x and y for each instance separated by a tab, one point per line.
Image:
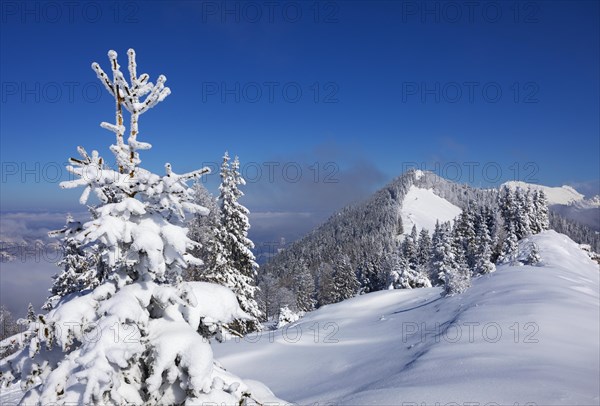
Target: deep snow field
524	334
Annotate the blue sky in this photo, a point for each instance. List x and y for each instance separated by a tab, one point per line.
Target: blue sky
324	101
383	85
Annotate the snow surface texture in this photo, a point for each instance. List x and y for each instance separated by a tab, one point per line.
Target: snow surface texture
375	349
422	207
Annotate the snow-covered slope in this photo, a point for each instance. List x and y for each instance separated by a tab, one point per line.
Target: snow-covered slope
422	207
522	334
555	195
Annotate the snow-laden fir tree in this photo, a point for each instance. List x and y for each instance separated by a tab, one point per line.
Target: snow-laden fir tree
509	246
239	268
203	229
437	254
134	338
410	276
336	281
81	269
8	325
539	212
483	252
304	285
345	283
9	332
464	232
287	316
523	214
533	257
447	262
424	249
409	247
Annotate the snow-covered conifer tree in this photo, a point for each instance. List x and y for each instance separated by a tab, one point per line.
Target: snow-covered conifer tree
239	263
8	325
523	214
81	269
337	282
533	257
203	229
8	329
134	338
446	264
464	231
410	277
509	246
304	285
539	212
345	283
424	248
483	254
410	247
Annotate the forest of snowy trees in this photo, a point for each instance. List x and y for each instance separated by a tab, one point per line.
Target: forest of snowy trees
224	246
123	327
364	247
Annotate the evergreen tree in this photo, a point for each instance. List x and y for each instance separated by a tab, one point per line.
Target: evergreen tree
345	284
411	277
448	264
337	282
8	325
8	328
304	287
410	246
236	267
326	289
483	255
510	245
145	321
464	235
522	215
203	229
540	219
424	248
392	268
81	269
533	257
438	254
